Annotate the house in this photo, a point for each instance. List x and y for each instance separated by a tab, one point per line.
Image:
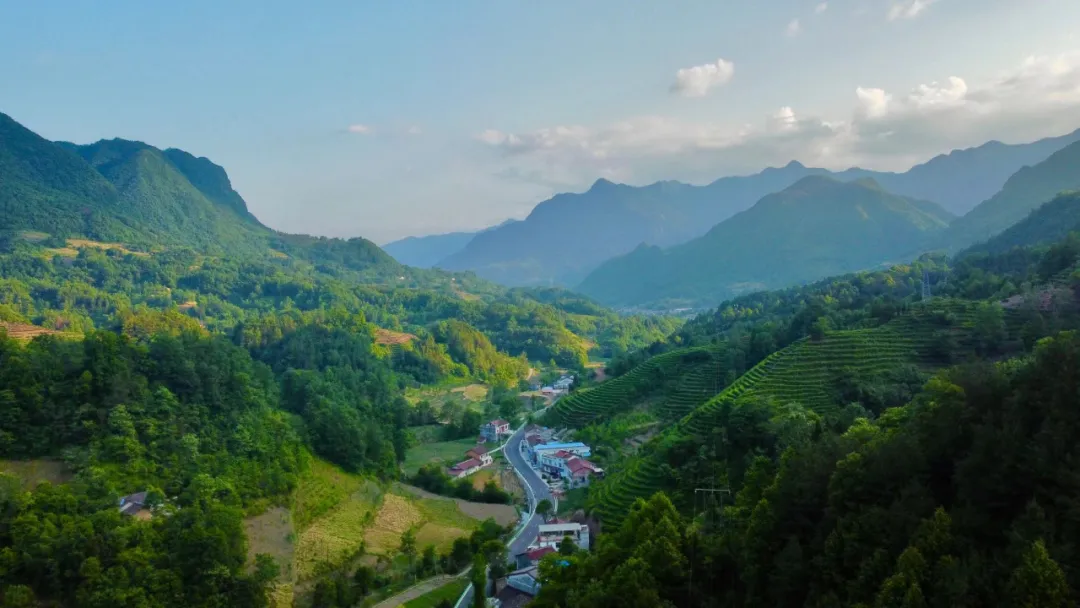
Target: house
551	535
580	472
547	391
576	448
135	505
495	429
464	468
525	580
553	463
532	556
480	453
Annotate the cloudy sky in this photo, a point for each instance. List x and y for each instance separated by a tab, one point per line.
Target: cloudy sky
385	119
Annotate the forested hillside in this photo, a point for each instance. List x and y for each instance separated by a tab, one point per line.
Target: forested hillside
167	343
816	228
855	462
1048	223
1026	190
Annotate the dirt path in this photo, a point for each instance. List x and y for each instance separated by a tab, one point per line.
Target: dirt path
415	591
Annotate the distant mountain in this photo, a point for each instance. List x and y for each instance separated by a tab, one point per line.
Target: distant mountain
427	251
1047	224
1025	191
569	235
962	179
817	227
133	193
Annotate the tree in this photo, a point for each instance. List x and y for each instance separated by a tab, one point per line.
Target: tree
266	568
364	579
567	546
428	560
1038	581
478	576
544	508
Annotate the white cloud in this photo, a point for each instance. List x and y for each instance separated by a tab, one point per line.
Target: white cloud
360	129
908	9
821	8
414	130
881	130
793	28
696	81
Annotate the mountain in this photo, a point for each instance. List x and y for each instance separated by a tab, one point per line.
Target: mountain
132	193
1047	224
817	227
427	251
1025	191
568	235
962	179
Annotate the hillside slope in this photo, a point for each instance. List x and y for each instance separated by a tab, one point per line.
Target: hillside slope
1047	224
816	228
1024	192
129	192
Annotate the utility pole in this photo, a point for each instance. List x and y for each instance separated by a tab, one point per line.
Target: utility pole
708	492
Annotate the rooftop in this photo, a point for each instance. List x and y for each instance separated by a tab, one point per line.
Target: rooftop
556	528
465	465
561	446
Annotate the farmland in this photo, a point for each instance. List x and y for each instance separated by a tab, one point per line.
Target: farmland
450	591
23	331
443	452
389	337
802	374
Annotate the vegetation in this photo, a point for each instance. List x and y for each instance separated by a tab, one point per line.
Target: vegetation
434	480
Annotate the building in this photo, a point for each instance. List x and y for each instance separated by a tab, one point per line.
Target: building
576	448
464	468
134	505
551	535
581	472
526	580
492	431
532	556
480	453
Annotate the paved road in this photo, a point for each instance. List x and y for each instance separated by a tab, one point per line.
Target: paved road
537	491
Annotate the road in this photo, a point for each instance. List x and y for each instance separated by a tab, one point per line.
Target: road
535	491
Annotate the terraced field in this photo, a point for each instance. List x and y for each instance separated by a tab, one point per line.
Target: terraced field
801	373
655	375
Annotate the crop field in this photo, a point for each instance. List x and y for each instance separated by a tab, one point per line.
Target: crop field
472	392
22	331
396	515
33	472
802	373
651	377
390	337
272	533
442	452
321	490
502	514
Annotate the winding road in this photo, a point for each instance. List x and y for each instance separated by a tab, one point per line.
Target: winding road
535	490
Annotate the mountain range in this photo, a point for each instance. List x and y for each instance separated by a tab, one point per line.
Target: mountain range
427	251
817	227
569	235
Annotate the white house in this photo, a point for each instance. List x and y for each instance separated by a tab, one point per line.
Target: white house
480	453
491	431
551	535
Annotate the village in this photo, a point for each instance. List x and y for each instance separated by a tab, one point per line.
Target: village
550	464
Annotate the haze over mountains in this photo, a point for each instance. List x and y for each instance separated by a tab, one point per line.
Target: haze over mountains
570	235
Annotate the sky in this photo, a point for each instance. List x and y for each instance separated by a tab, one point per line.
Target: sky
386	119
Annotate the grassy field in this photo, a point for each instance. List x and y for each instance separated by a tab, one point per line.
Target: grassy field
443	452
33	472
272	533
427	433
450	591
471	394
323	488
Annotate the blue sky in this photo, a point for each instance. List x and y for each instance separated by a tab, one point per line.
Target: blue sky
384	119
